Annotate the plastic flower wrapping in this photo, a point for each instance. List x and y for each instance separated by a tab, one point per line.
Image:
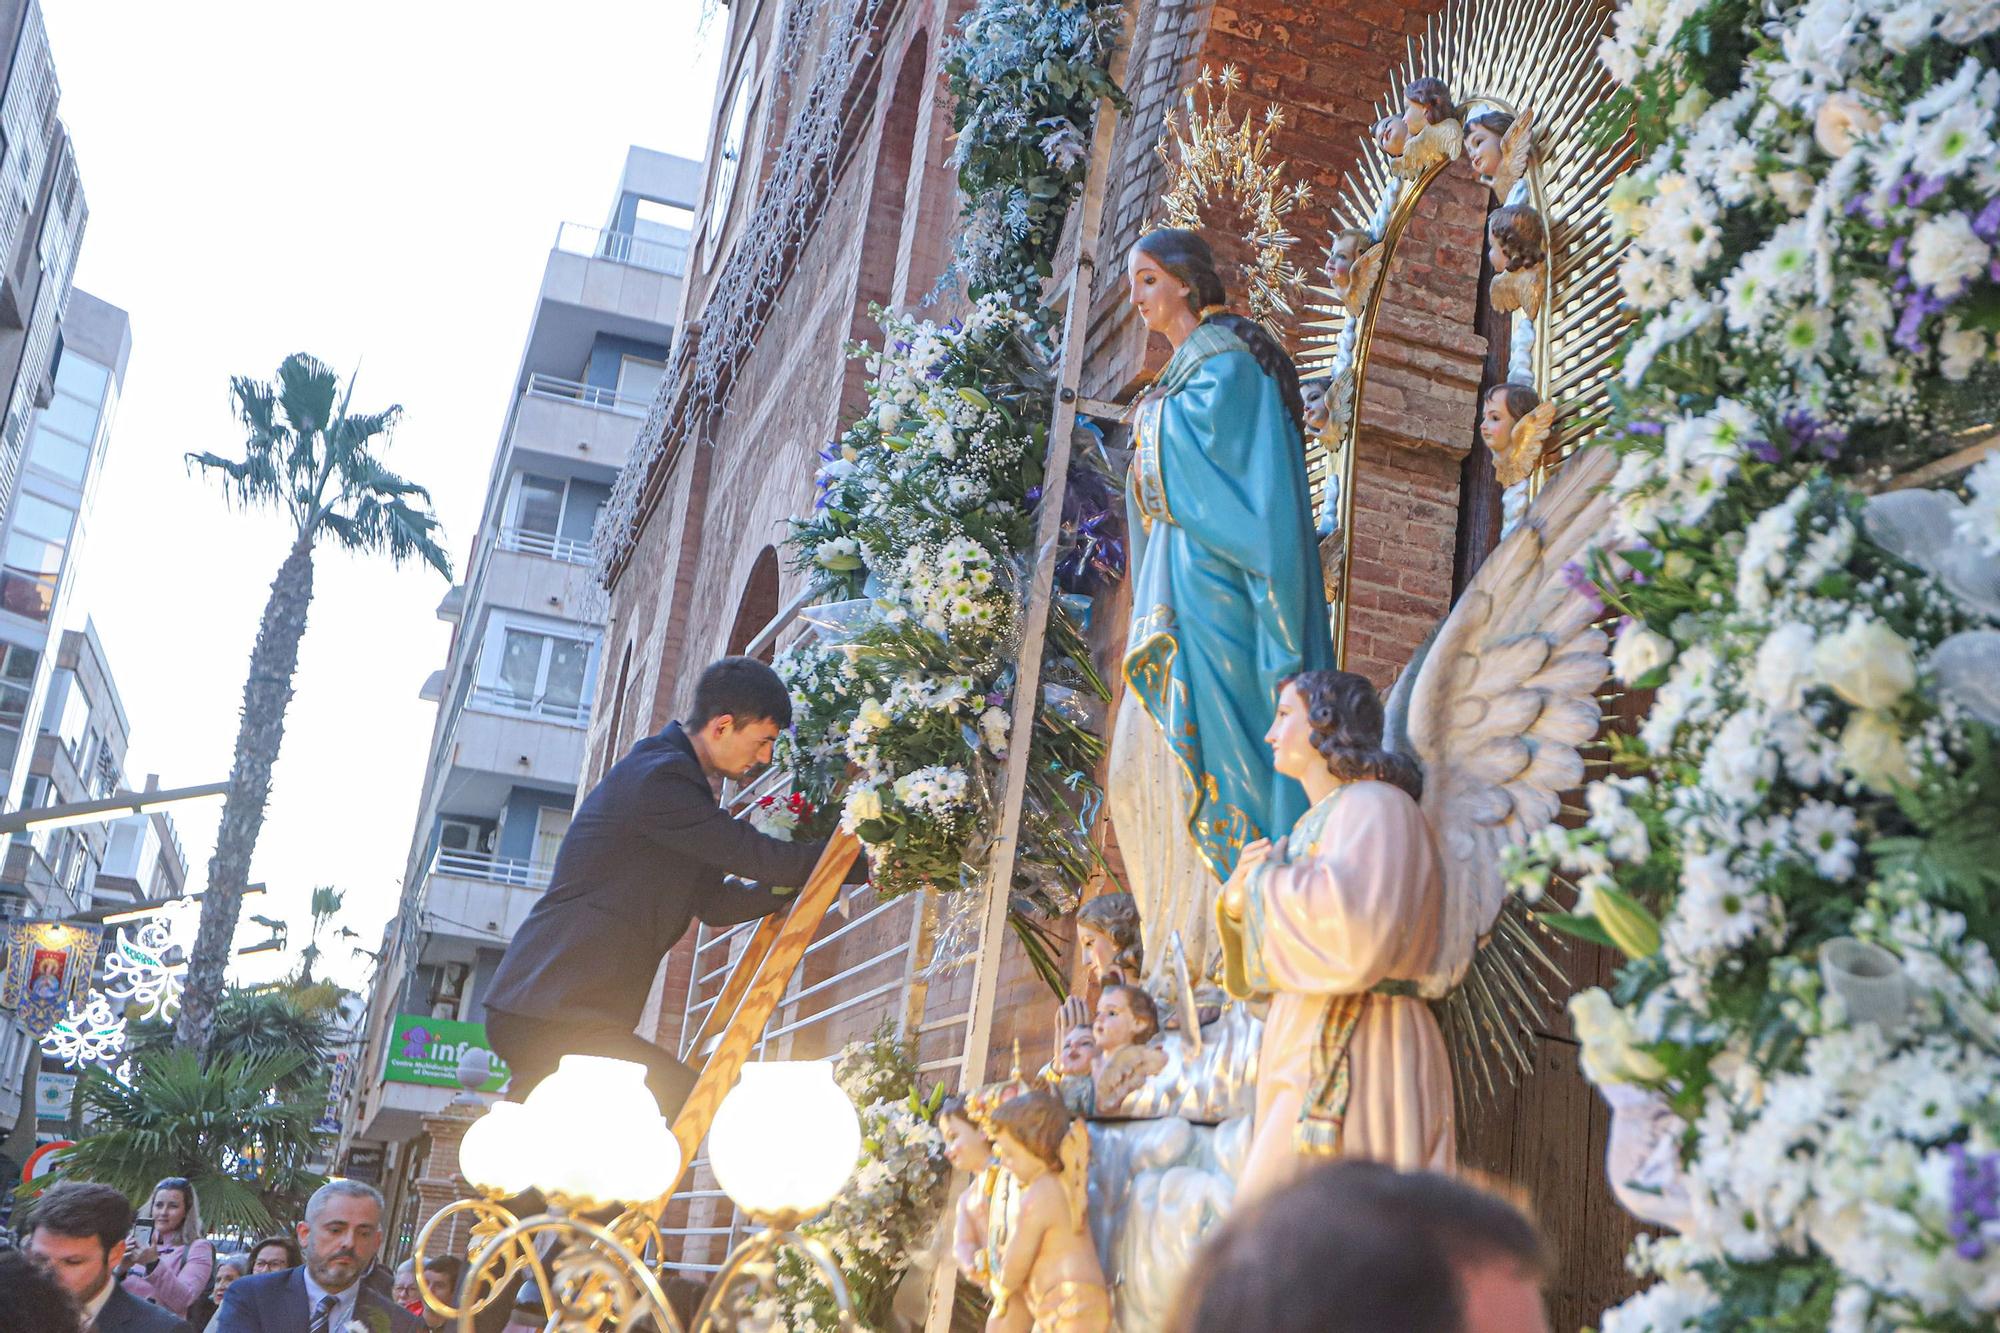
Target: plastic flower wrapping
1798	849
902	703
883	1219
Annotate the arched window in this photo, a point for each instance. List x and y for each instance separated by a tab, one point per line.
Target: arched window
758	604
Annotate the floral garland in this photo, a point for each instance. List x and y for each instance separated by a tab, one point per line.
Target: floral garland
890	1205
1816	262
1025	79
923	522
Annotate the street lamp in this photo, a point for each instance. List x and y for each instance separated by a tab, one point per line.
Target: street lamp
112	807
590	1137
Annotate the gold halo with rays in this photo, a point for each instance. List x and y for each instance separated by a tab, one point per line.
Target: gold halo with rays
1213	158
1512	56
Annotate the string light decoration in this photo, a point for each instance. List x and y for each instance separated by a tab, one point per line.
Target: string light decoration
146	967
788	207
92	1033
1216	161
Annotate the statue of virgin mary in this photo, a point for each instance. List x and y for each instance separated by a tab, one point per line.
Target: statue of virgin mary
1227	599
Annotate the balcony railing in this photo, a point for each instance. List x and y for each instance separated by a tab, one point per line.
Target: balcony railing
493	869
545	543
622	247
493	699
590	395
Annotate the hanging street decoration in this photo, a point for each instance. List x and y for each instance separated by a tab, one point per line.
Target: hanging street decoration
89	1034
48	966
147	966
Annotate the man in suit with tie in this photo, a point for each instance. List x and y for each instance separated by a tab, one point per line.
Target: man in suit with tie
78	1230
649	850
340	1237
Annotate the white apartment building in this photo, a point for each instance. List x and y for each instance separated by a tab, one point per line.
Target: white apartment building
515	691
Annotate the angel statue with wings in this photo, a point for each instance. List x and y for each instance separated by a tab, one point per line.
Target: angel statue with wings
1227	598
1383	893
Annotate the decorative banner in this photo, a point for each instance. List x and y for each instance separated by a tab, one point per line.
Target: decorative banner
48	970
89	1034
54	1094
147	965
427	1050
336	1087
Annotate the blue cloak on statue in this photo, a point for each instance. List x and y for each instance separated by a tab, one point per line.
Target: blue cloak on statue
1227	599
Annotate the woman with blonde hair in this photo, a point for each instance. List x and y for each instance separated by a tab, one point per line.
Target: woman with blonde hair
173	1268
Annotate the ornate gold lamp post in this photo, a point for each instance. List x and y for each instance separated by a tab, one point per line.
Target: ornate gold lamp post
591	1139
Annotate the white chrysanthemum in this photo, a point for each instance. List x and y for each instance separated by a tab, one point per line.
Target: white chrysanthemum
1825	833
1945	254
1784	668
1956	140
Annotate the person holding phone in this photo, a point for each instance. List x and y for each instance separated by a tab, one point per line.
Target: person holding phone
174	1260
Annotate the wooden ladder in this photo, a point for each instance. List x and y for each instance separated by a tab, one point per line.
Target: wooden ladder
751	994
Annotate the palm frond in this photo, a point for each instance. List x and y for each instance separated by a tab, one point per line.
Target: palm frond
306	389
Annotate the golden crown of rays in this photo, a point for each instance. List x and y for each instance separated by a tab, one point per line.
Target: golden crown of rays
1217	159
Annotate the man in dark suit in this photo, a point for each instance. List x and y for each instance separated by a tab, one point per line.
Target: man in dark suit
649	850
78	1231
341	1236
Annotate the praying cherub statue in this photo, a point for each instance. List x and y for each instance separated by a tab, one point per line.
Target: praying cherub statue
1430	119
1126	1023
969	1150
1515	425
1353	262
1517	243
1048	1279
1498	147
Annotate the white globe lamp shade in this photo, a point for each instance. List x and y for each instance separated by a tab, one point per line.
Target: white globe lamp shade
602	1140
785	1139
497	1153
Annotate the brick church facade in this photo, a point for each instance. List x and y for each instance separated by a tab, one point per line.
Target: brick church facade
706	569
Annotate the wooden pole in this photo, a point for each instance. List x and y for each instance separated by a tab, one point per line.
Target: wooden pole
1035	623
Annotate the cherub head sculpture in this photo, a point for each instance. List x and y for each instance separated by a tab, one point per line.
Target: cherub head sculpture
1516	238
1107	931
1428	103
1126	1016
1028	1131
1484	134
965	1143
1517	243
1391	134
1078	1051
1514	423
1352	262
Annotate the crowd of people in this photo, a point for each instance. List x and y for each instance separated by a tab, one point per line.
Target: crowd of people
87	1263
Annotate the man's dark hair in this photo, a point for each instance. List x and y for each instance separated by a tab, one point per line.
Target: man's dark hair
32	1298
79	1208
1353	1247
741	688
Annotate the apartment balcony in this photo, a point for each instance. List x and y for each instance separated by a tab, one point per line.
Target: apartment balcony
537	572
479	897
500	739
582	424
615	275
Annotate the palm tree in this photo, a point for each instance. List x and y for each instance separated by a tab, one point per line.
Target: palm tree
229	1126
326	904
255	1025
310	456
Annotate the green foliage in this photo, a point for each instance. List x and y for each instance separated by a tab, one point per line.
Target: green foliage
312	457
241	1129
255	1026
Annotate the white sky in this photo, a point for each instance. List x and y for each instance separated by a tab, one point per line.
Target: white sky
373	182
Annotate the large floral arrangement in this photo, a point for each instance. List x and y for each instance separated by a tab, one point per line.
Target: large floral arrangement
922	524
1025	79
887	1211
1815	261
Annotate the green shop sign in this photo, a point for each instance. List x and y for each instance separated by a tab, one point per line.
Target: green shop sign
427	1050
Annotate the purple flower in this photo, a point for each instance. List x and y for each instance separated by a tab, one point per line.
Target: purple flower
1925	190
1975	1199
1644	428
1763	451
1807	433
1986	226
1579	582
1920	306
1897	257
